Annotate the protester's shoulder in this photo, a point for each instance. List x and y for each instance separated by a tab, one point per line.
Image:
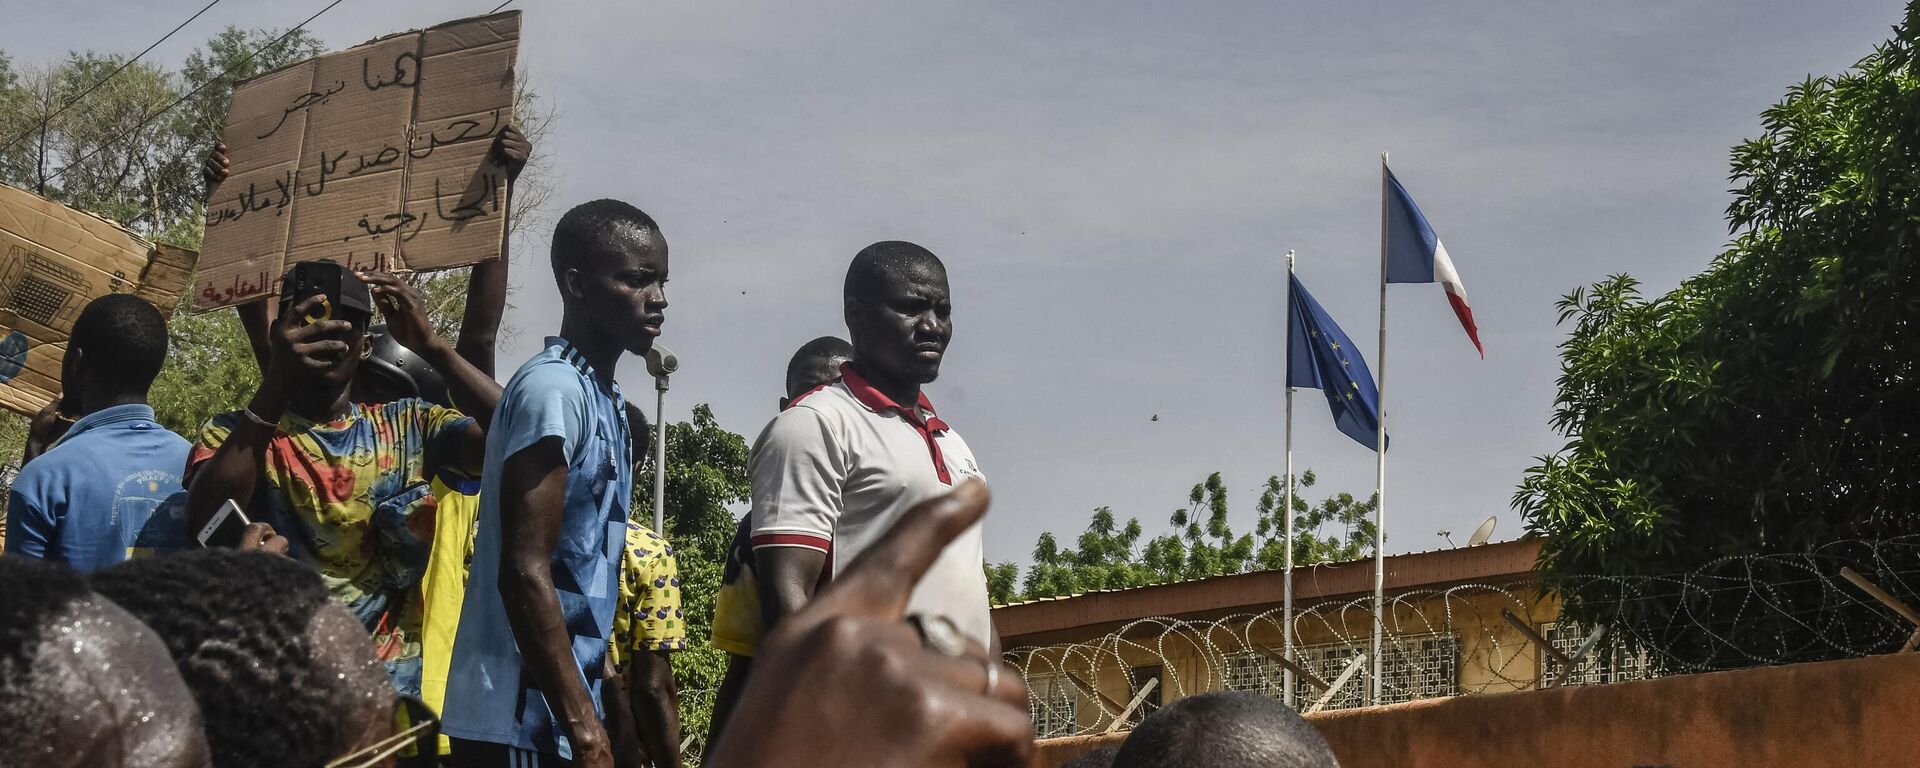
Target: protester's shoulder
547	367
413	410
217	427
829	408
645	545
36	474
831	399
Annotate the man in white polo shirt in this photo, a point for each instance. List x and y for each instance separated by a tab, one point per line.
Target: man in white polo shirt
843	462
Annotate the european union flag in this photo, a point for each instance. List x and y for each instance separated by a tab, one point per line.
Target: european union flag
1320	356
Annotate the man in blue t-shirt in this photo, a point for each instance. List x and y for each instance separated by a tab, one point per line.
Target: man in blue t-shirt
530	654
85	500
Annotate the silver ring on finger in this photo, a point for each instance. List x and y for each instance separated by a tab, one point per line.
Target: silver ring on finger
993	676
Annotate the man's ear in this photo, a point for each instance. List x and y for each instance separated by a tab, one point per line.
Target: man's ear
70	363
366	346
850	311
572	283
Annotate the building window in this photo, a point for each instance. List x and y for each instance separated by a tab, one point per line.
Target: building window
1054	703
1140	677
1327	662
1421	667
1253	672
1613	661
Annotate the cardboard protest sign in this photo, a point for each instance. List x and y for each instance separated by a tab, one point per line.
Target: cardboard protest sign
53	260
376	156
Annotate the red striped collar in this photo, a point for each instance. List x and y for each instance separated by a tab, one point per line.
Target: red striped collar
878	402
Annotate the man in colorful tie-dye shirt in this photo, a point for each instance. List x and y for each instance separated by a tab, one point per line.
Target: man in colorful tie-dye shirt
346	483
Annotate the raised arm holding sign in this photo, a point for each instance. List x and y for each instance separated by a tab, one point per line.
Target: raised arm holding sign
373	157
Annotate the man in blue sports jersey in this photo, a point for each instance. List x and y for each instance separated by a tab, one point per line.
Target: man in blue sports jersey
530	653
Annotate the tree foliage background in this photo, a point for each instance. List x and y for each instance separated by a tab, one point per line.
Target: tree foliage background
1767	404
1201	543
706	472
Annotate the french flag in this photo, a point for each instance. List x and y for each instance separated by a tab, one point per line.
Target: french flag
1415	255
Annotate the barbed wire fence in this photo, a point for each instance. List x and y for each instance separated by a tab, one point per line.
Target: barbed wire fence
1492	637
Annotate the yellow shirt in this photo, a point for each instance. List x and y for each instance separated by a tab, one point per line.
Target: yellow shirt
737	623
444	586
648	618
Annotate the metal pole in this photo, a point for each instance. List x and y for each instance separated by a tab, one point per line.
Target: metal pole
1286	611
660	456
1380	455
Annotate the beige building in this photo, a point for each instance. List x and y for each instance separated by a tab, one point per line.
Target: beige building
1458	621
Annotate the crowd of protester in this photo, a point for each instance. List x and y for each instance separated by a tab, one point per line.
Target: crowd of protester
440	570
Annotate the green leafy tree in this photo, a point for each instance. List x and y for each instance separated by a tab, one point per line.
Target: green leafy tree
1352	536
1109	555
1766	404
706	473
1003	582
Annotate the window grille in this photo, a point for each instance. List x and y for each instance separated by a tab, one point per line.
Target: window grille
1054	703
1421	667
1253	672
1614	661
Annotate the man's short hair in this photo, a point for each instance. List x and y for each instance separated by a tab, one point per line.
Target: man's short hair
1225	730
581	234
236	624
33	594
124	339
1099	758
881	264
820	349
82	680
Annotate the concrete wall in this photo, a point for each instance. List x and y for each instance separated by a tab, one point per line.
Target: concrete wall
1857	712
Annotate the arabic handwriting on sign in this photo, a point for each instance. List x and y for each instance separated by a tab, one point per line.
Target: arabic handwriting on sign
252	200
394	223
326	169
387	156
469	209
304	101
406	72
469	129
236	289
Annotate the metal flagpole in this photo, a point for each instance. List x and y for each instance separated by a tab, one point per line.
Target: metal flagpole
1380	454
1286	611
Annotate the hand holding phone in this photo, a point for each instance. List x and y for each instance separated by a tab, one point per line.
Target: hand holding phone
226	527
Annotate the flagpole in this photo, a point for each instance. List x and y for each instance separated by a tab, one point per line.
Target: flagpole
1380	454
1286	610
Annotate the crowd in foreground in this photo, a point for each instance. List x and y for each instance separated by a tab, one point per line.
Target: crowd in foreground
428	568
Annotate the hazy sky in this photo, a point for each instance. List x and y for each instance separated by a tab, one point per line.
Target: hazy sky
1112	186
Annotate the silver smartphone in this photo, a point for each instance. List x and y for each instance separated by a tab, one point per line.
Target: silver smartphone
225	528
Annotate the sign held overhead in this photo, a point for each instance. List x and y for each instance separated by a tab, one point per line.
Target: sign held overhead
53	260
374	157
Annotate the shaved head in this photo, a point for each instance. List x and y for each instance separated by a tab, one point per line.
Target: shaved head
817	362
879	266
1225	730
84	683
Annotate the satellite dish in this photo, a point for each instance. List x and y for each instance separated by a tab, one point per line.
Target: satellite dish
1484	532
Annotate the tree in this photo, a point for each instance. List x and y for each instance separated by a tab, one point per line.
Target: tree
1764	405
1109	555
706	472
1353	517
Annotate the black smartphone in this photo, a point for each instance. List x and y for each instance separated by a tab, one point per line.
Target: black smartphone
341	291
